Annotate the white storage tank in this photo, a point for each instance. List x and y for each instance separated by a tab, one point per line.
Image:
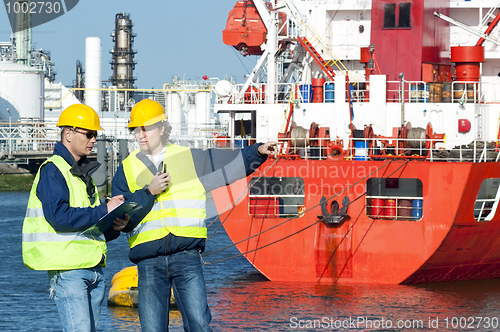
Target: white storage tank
202	101
21	91
93	70
193	117
174	109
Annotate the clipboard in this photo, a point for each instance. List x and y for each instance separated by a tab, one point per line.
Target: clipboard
106	221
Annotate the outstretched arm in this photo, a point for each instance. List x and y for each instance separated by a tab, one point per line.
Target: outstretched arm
269	148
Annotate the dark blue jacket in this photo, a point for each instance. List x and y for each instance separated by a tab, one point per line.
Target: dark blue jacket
53	192
215	168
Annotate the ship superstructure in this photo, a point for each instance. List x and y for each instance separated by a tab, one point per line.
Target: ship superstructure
388	121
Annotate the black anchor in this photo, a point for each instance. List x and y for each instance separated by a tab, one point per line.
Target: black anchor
337	216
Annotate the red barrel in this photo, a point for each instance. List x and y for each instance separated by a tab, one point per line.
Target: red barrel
377	208
404	208
317	89
390	208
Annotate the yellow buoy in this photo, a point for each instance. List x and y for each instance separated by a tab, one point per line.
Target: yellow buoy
124	291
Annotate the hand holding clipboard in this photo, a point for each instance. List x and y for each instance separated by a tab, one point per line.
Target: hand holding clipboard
121	212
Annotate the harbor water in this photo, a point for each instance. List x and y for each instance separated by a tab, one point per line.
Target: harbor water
240	298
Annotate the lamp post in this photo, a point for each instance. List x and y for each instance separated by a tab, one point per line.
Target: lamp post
10	131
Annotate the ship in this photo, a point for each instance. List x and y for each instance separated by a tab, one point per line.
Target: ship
387	116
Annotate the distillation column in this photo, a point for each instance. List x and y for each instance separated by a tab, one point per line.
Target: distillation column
123	63
79	83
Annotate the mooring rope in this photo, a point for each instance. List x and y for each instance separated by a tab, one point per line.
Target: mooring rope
233	204
299	137
349	230
416	138
289	219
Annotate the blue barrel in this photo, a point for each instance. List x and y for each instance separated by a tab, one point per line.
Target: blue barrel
416	208
305	92
420	93
360	150
413	93
330	93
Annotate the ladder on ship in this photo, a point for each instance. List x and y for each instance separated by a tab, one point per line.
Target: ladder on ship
314	43
327	69
311	44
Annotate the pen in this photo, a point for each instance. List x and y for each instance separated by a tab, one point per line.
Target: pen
108	198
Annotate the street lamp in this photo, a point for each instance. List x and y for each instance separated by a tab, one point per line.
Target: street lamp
10	131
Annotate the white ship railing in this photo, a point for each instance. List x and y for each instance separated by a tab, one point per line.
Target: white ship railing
23	140
317	149
487	92
26	137
197	135
337	2
403	209
397	211
484	208
275	206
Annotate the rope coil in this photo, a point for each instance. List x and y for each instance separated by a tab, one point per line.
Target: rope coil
299	137
416	137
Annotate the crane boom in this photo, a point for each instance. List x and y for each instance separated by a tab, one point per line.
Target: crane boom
468	28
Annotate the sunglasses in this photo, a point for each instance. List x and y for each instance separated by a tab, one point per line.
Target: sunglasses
137	130
89	134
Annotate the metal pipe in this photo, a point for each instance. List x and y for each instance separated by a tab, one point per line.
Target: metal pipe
10	132
402	77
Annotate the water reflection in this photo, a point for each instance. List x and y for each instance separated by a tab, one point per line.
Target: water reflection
124	318
127	319
284	306
241	298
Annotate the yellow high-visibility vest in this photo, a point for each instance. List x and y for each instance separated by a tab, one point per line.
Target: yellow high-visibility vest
46	249
180	209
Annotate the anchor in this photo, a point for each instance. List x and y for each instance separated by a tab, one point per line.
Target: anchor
337	216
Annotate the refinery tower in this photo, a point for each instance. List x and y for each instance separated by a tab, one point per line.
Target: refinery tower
123	63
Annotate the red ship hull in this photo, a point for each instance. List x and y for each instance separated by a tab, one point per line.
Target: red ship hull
446	243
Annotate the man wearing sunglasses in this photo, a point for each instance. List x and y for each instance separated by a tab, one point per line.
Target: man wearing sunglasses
58	232
167	236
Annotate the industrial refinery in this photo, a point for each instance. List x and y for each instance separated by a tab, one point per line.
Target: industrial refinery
123	64
31	99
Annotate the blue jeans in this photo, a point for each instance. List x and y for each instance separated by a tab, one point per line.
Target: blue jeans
78	294
183	272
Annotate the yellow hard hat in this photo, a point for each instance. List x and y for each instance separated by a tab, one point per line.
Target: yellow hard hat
145	113
81	116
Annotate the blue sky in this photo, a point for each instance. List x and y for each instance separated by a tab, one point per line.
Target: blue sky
182	38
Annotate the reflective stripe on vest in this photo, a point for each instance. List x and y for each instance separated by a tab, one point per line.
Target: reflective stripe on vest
46	249
54	237
181	209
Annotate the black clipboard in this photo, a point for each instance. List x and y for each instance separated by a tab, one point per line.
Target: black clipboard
106	221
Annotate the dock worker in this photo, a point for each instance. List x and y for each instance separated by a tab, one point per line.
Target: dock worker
58	232
167	236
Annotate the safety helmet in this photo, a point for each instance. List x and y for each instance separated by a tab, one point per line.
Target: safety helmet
81	116
145	113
